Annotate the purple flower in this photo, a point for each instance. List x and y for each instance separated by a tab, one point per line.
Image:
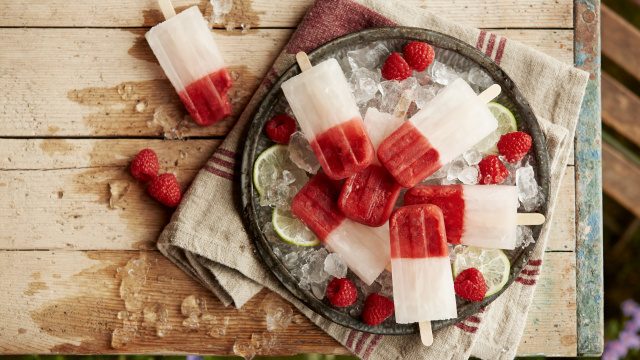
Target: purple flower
630	308
616	348
194	357
633	325
630	340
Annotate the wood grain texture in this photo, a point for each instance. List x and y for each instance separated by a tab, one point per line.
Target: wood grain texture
57	194
95	78
620	108
620	178
265	13
620	41
68	302
88	82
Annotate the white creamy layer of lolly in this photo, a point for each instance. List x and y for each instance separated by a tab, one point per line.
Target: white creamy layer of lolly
185	48
455	120
423	289
364	249
380	125
490	216
320	98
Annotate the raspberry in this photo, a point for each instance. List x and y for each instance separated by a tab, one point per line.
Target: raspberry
144	166
514	146
166	190
341	292
280	127
419	55
395	68
492	170
470	285
377	309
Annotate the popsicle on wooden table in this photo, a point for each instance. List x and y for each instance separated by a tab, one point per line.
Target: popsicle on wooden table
451	123
422	278
193	63
326	110
369	196
484	216
364	249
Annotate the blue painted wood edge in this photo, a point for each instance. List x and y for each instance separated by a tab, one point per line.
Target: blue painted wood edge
588	169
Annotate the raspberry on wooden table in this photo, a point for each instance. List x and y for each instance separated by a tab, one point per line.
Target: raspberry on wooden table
144	166
166	190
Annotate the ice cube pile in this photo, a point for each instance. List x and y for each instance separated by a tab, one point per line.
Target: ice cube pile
314	267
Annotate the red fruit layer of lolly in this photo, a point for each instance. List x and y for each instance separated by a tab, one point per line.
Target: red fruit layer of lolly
316	205
344	149
206	98
368	197
417	231
449	199
408	155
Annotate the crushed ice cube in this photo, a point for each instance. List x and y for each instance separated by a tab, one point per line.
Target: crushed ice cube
469	175
479	78
190	306
220	9
423	95
287	177
316	266
472	157
301	154
529	192
524	236
392	90
370	57
278	314
364	84
318	289
335	266
442	74
455	169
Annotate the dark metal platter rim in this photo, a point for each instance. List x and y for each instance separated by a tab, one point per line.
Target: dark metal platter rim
249	204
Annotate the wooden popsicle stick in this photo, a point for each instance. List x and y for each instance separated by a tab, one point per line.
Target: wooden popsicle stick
303	61
491	93
167	9
400	111
426	335
530	219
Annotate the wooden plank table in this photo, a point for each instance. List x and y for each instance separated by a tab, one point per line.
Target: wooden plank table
79	92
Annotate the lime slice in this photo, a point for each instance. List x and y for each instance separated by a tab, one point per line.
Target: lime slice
506	124
292	230
492	263
269	166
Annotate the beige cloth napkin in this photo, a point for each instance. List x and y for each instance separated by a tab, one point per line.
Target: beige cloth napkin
207	239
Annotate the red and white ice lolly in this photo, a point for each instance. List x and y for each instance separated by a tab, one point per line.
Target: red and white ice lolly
364	249
484	216
326	110
421	271
369	196
190	58
452	123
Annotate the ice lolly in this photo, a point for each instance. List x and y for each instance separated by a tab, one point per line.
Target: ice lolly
326	110
483	216
422	279
450	124
369	196
364	249
191	60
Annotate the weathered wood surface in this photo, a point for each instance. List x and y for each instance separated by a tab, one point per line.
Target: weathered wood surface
620	109
95	78
57	194
620	41
67	302
620	178
266	13
588	159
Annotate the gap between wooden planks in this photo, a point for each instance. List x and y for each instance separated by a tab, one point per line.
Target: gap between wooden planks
88	82
266	13
56	194
67	302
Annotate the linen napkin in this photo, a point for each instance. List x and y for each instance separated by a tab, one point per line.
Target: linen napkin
207	239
